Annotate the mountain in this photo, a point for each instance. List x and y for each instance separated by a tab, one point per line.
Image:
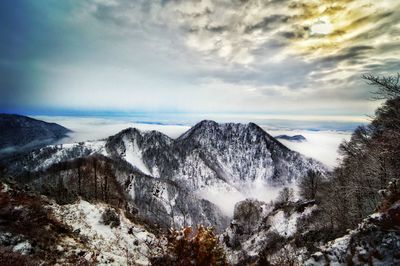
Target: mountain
19	133
296	138
209	152
164	177
221	163
126	190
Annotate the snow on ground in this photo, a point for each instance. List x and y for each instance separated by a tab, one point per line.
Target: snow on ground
98	146
335	251
133	155
357	246
24	248
64	149
125	244
5	188
286	225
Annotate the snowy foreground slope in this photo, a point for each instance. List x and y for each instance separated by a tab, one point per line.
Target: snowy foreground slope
45	232
121	245
282	235
376	241
36	230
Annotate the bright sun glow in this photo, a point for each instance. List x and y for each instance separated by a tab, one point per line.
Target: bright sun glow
321	27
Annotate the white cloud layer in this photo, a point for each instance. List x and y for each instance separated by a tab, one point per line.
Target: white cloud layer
320	145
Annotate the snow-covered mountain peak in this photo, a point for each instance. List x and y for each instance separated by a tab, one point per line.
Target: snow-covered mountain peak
208	129
130	132
152	137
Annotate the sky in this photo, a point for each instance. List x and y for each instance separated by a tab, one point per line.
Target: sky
276	57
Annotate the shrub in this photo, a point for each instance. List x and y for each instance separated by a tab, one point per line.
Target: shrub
11	258
111	218
186	247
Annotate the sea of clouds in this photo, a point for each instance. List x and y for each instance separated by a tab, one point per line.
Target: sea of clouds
321	145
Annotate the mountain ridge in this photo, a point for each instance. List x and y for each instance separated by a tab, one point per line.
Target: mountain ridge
22	133
210	158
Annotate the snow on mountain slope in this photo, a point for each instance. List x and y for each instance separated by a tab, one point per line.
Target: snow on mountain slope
234	160
286	225
220	163
166	203
244	152
148	151
209	152
41	159
70	151
125	244
134	156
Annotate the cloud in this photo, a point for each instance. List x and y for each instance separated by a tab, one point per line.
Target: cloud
327	142
208	55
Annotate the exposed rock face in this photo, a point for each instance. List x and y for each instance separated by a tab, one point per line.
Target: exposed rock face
259	228
376	241
22	133
247	219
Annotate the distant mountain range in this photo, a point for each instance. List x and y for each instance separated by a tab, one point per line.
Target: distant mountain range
164	177
21	133
295	138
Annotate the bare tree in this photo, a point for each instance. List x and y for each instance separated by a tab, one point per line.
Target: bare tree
79	180
388	86
285	195
310	184
369	160
95	177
